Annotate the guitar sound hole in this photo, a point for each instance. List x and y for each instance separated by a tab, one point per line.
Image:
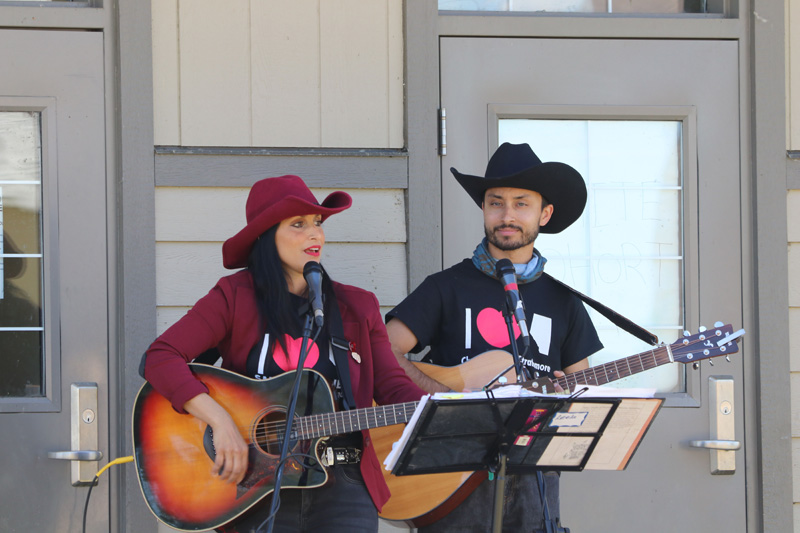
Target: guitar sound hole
269	432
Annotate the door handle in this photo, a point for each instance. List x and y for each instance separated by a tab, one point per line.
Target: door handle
84	435
722	445
77	455
716	444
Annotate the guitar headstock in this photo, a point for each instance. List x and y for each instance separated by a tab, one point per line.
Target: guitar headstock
707	343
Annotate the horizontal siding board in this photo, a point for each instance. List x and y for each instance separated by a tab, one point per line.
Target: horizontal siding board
166	316
356	171
185	272
215	214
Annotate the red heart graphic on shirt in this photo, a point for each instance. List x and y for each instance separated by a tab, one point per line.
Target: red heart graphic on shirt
293	345
493	329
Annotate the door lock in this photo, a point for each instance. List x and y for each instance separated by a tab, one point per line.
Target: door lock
84	435
722	420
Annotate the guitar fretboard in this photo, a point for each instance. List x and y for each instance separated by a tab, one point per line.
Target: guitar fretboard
337	423
602	374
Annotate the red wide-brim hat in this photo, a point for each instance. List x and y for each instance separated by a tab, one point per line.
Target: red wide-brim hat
270	201
517	166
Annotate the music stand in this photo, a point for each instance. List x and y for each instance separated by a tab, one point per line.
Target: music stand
514	435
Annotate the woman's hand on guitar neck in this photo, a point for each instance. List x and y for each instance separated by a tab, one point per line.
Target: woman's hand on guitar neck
230	448
558	374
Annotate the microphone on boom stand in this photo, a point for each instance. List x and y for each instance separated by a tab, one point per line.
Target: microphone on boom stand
508	277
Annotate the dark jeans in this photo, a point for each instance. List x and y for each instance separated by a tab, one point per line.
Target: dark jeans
522	507
342	505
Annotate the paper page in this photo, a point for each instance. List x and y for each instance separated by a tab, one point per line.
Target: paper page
623	434
565	451
398	446
506	391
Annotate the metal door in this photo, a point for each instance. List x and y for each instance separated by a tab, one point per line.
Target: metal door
54	307
668	486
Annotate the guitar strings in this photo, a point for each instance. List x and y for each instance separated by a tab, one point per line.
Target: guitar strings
308	426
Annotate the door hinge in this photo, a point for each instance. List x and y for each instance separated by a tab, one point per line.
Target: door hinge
442	131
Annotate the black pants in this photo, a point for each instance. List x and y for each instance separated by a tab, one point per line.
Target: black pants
342	505
522	507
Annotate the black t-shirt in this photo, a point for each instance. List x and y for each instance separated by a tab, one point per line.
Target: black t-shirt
458	313
319	357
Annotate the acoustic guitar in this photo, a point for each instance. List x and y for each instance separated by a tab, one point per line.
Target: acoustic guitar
420	500
174	452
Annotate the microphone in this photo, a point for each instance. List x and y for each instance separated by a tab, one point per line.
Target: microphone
508	277
312	271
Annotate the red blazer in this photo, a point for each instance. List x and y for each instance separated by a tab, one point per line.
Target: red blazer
227	318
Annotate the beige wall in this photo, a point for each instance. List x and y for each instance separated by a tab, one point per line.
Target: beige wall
365	245
272	73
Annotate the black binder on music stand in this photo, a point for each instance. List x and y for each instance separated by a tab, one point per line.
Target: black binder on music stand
522	434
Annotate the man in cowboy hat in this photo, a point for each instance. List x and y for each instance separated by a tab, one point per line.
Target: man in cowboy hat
457	312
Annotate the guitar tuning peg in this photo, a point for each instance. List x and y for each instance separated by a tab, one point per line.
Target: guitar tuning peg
695	365
728	358
718	324
711	362
686	333
701	329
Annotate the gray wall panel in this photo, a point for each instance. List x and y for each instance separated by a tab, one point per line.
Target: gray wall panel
197	167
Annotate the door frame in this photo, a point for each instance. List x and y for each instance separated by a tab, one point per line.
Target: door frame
763	195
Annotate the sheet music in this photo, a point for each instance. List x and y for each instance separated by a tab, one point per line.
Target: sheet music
623	434
398	446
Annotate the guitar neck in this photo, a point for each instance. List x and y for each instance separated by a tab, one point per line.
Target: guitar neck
338	423
621	368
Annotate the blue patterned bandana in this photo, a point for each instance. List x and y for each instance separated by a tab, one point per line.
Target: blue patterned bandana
526	272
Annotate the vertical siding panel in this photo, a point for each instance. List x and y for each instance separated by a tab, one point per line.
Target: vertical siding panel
395	110
793	75
166	68
215	72
354	61
285	66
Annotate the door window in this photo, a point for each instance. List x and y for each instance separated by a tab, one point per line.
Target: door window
585	6
21	257
626	250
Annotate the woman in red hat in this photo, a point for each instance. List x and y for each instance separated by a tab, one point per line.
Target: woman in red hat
254	318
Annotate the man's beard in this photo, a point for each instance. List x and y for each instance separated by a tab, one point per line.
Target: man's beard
526	238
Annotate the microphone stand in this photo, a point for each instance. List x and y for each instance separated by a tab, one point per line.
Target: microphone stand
551	526
522	372
287	436
522	375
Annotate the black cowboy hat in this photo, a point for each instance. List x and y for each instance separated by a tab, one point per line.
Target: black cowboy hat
515	165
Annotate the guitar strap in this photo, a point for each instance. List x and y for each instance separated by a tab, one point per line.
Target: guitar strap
340	347
617	319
